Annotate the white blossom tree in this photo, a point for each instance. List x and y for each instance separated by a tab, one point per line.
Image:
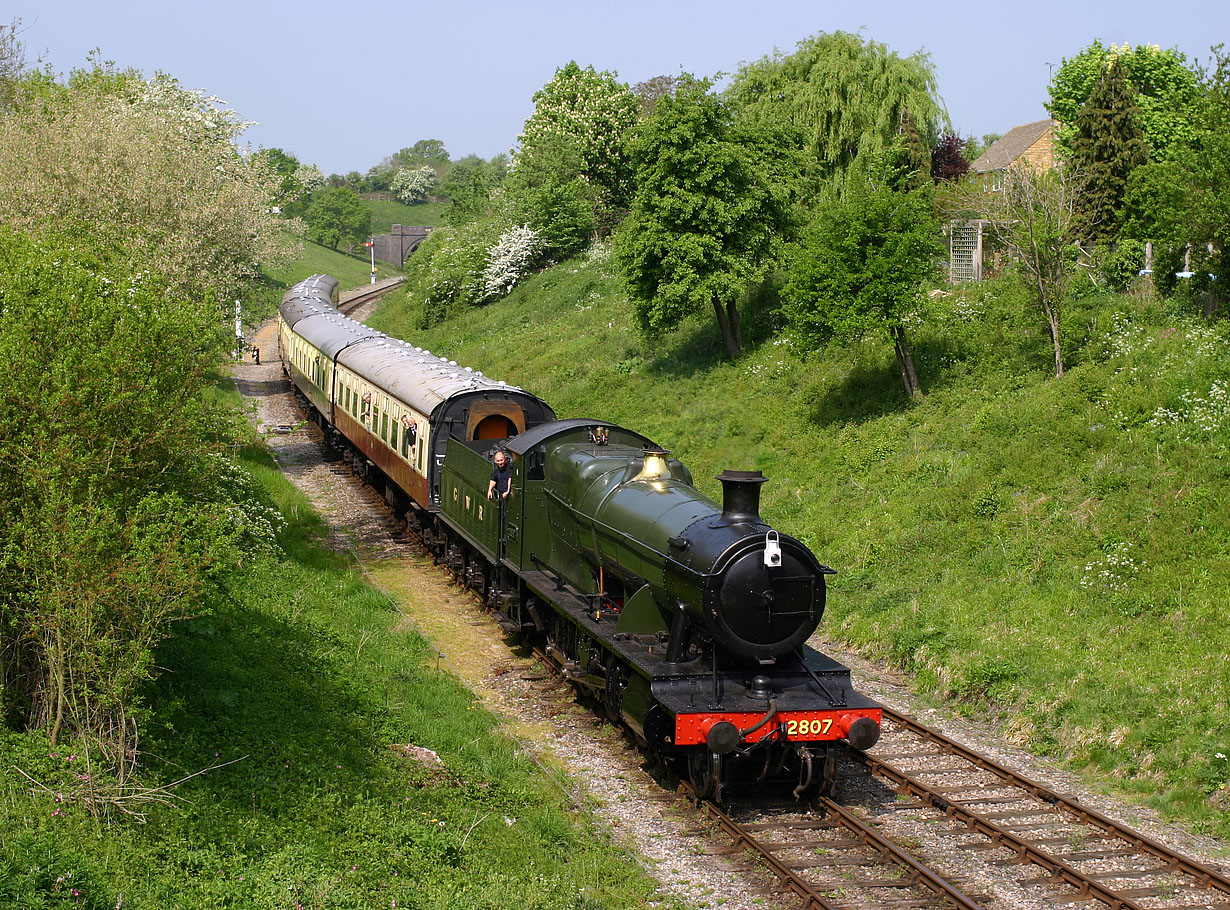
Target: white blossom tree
571	177
590	111
411	185
150	161
310	178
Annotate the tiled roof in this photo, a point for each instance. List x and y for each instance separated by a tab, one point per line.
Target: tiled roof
1010	147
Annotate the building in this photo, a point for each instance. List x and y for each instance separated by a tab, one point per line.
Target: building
1032	144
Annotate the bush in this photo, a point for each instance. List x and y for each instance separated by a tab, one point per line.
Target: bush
116	500
510	258
1120	267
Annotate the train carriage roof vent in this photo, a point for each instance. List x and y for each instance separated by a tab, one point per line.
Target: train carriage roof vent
741	495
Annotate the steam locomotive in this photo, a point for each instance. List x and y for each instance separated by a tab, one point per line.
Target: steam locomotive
686	619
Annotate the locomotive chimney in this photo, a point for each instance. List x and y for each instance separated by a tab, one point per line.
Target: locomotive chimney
741	495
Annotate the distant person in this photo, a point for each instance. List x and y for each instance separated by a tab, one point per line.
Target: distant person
501	477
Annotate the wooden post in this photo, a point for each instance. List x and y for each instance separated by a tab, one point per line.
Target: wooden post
978	255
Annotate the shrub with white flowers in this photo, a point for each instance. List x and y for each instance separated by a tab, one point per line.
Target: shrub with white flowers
510	258
155	162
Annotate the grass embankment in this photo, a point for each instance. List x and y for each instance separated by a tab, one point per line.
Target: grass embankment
296	692
386	213
351	270
1053	552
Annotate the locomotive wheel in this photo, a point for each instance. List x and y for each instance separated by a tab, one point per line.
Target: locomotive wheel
705	773
613	697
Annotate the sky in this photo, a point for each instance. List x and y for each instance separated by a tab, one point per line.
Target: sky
344	86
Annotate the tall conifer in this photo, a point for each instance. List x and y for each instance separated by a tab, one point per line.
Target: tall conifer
1108	145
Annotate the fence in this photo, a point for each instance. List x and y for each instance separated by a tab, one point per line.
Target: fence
965	249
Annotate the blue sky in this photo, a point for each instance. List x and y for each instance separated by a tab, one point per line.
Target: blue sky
344	85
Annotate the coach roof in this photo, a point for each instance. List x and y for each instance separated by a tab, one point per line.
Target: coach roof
416	376
311	297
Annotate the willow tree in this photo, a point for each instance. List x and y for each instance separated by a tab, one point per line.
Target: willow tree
844	96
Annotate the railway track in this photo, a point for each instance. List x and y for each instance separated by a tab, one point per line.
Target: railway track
1085	853
987	825
355	300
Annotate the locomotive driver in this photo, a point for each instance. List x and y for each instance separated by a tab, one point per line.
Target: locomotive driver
501	477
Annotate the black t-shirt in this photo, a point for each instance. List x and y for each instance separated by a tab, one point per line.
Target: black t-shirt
502	477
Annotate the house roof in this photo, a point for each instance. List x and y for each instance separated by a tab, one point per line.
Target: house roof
1008	148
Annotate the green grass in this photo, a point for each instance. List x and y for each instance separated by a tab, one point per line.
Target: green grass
292	690
386	213
314	259
1053	553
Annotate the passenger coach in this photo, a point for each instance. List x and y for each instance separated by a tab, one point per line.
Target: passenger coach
397	404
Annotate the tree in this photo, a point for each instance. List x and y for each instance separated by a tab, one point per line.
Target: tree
554	196
1209	202
704	219
975	147
283	166
1032	213
948	159
411	185
648	92
1106	146
1181	202
12	63
336	215
377	179
861	264
424	152
117	499
844	96
309	178
469	186
1166	88
572	148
